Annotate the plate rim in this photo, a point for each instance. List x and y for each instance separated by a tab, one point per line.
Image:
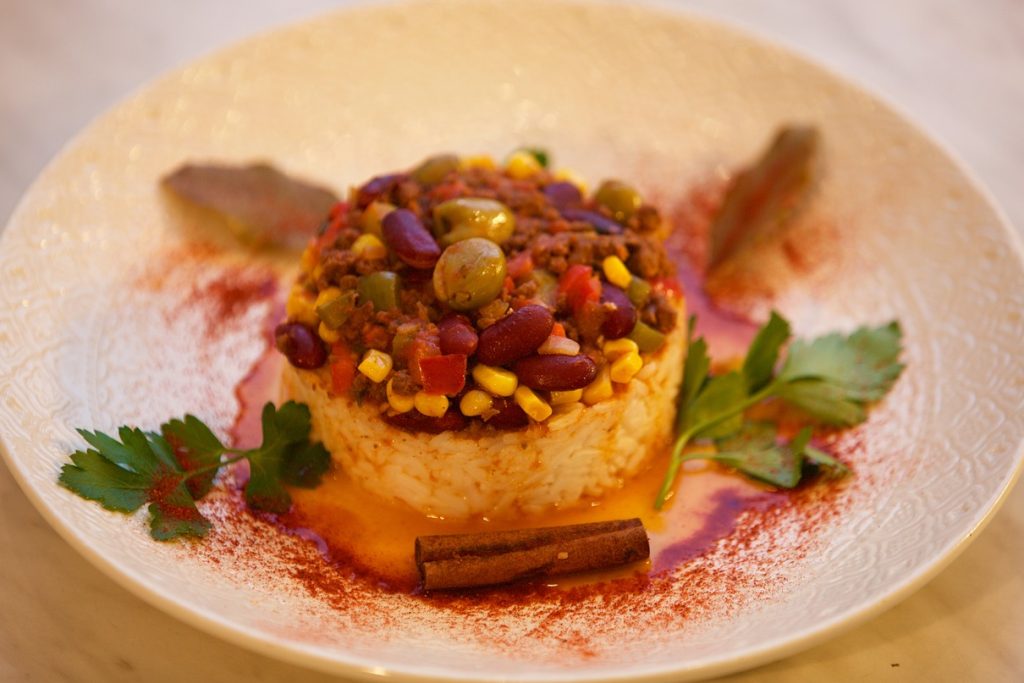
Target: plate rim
323	659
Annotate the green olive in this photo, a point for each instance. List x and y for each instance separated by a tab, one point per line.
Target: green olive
470	273
434	169
460	219
619	198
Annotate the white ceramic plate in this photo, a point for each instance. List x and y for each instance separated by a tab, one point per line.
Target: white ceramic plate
93	336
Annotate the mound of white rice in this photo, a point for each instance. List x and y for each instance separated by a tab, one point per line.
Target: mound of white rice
579	451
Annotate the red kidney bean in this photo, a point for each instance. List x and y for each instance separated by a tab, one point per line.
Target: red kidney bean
620	317
375	187
563	195
601	223
405	234
301	345
414	421
509	416
515	336
457	335
556	373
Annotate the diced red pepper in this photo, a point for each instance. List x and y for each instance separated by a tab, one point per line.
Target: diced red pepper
343	368
444	374
579	285
558	330
508	285
425	345
337	216
520	265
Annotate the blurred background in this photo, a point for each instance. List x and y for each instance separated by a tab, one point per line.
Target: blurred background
955	67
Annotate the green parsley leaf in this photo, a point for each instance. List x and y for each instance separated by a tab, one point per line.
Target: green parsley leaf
827	403
863	365
305	465
541	155
831	379
759	366
93	476
173	469
124	475
755	452
695	372
712	413
175	514
285	448
830	465
195	446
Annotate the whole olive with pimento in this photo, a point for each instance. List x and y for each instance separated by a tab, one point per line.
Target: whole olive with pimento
463	295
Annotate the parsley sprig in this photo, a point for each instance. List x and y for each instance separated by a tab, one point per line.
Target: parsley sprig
172	469
831	379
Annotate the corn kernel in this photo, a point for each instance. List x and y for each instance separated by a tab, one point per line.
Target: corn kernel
522	164
532	404
498	381
432	405
300	308
327	334
618	347
373	215
481	161
559	398
570	176
309	258
475	402
616	272
326	296
598	390
376	365
625	367
369	247
559	346
400	403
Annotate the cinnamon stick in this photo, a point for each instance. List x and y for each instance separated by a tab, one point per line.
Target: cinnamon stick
490	558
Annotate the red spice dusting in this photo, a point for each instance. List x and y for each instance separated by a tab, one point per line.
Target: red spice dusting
736	557
199	483
231	293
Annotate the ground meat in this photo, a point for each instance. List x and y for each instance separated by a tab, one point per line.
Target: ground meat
406	194
348	282
417	298
665	314
557	252
648	219
552	242
335	265
527	290
403	383
365	266
376	336
659	312
647	258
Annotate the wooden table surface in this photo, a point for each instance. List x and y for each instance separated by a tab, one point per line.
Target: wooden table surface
956	67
